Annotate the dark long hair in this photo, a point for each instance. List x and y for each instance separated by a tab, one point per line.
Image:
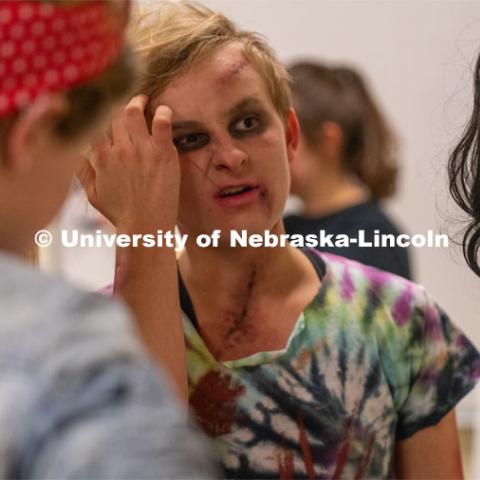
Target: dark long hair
321	93
464	178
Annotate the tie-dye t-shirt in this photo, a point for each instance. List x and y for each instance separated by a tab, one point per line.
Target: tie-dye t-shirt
371	360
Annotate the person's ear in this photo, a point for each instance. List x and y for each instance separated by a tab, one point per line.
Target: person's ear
292	133
331	139
32	131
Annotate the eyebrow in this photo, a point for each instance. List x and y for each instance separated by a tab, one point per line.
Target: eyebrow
187	124
247	102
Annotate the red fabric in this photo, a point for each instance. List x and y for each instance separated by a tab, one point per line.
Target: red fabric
47	48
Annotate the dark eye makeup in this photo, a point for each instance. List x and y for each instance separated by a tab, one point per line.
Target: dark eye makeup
243	125
191	141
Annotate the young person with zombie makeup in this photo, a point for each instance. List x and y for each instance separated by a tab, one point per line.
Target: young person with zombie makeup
345	165
300	364
79	398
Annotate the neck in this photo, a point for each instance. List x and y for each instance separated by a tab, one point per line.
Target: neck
247	299
227	275
331	192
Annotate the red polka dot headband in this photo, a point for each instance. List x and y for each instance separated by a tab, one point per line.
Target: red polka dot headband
48	48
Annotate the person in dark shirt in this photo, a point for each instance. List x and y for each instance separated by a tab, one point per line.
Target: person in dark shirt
366	216
345	165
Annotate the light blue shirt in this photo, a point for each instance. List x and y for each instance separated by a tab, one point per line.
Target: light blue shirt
78	396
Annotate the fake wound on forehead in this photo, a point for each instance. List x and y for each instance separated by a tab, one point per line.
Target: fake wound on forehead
232	71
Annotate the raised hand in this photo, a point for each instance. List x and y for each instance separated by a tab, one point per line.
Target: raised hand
134	180
134	177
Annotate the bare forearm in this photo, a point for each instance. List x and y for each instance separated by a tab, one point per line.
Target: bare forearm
133	178
147	280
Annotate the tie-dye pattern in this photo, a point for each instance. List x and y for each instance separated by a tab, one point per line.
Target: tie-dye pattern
371	360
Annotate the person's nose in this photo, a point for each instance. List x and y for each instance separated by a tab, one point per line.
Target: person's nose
229	156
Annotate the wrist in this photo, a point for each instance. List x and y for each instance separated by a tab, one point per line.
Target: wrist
145	226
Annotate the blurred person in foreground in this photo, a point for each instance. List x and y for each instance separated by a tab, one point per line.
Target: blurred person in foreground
301	364
346	164
79	397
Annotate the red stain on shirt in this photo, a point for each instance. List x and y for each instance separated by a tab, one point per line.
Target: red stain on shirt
366	459
214	402
305	447
344	451
285	465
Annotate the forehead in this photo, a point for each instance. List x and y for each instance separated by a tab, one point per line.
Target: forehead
223	77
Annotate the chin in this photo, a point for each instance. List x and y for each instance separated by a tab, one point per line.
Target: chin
253	226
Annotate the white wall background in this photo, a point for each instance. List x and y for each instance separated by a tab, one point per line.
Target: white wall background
419	57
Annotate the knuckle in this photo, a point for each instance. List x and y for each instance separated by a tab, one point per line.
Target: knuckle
162	123
133	112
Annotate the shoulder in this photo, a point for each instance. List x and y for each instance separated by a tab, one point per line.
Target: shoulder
68	357
45	319
399	317
378	303
384	287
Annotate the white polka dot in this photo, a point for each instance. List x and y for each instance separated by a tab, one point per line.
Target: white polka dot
70	72
21	98
58	24
94	48
26	12
84	35
46	10
82	18
28	46
59	57
48	43
78	53
9	83
67	39
19	65
7	50
93	14
5	15
31	80
38	28
39	61
17	31
51	77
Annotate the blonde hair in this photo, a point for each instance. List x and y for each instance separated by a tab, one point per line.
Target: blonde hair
176	35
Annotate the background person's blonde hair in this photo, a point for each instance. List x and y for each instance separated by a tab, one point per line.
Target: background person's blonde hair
173	36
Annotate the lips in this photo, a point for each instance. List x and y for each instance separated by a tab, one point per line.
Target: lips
237	195
235	190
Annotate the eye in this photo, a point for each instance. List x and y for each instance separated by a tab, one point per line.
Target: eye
250	123
191	141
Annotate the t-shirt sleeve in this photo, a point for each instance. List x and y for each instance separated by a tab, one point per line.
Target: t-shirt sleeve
443	367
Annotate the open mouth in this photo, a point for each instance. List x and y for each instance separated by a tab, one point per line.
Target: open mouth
232	191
